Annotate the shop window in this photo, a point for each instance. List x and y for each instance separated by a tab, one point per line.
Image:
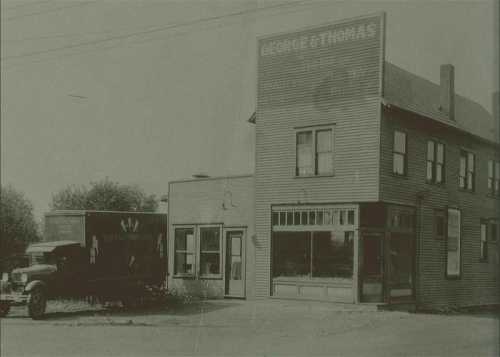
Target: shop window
306	255
453	243
484	241
314	152
210	251
494	177
184	251
399	153
435	162
439	224
466	178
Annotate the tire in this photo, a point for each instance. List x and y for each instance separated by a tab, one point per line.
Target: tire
37	302
4	309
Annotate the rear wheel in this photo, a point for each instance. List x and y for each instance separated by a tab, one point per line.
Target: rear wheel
37	302
4	309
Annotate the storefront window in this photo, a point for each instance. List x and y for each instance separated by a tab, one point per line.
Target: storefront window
184	251
306	255
210	251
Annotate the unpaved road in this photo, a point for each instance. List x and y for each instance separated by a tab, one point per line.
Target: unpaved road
249	328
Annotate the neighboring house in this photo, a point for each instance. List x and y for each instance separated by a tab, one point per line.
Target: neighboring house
371	184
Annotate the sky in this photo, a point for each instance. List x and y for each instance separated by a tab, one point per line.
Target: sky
147	91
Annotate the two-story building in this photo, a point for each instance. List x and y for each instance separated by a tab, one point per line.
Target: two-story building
371	184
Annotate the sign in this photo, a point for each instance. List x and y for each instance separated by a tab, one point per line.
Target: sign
323	66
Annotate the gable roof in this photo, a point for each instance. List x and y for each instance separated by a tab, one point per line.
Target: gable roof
408	91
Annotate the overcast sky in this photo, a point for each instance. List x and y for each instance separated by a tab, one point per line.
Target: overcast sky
147	91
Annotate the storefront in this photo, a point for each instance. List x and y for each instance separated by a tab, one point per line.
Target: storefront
313	252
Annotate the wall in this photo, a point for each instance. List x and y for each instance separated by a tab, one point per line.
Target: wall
228	201
479	283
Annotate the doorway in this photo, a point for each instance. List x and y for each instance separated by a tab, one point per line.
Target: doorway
235	263
372	273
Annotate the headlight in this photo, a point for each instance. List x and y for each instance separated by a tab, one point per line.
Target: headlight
24	278
5	277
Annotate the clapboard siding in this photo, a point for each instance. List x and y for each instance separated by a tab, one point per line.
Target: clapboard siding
479	282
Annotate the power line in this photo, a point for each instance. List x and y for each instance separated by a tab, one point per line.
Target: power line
153	30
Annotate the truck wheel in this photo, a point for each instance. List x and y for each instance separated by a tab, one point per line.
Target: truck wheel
4	309
37	302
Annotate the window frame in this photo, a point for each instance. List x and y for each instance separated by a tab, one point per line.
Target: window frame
483	243
435	163
459	243
464	153
185	275
314	149
493	180
440	213
199	252
403	154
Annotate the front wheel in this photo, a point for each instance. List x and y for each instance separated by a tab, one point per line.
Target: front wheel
4	309
37	302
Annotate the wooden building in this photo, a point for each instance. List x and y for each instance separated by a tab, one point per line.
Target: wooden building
371	184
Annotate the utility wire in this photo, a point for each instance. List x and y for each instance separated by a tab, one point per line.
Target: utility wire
152	30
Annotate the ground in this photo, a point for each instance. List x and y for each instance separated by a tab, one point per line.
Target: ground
247	328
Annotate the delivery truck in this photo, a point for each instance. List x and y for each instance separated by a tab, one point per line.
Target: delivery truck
97	255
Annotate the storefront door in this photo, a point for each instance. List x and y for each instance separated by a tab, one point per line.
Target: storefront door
400	266
372	273
235	264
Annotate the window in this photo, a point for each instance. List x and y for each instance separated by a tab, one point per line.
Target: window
210	251
494	177
439	224
466	174
314	152
435	162
493	231
399	153
184	251
453	243
484	241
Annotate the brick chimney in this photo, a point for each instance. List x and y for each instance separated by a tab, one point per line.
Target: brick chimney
447	84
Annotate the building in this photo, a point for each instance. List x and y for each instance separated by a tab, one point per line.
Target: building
371	184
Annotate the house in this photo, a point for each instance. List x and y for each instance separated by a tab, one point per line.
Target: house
371	184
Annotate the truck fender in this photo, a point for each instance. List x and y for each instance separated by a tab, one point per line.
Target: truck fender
32	285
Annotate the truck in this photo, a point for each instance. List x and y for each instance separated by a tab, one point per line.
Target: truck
101	256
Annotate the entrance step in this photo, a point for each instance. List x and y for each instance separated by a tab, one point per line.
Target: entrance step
406	306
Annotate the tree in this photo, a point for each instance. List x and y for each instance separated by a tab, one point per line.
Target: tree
18	225
104	195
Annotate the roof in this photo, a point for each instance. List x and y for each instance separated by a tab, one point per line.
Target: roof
47	247
210	178
410	92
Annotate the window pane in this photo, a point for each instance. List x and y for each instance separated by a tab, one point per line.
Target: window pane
398	164
291	254
304	218
490	183
276	218
304	138
490	168
323	141
296	220
399	142
312	217
461	182
497	170
483	232
209	263
439	173
342	217
289	218
429	170
184	239
209	239
282	218
319	218
304	154
350	217
470	162
463	164
325	163
327	217
470	181
184	263
440	153
333	255
430	150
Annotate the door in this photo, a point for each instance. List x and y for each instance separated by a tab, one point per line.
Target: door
235	264
401	266
372	272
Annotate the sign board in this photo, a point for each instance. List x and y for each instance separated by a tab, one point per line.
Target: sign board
323	66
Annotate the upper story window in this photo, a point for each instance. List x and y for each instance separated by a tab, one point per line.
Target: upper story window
484	241
494	177
435	162
466	176
399	153
314	152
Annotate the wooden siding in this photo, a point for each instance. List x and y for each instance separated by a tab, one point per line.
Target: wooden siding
228	201
479	282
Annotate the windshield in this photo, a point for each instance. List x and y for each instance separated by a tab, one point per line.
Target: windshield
37	258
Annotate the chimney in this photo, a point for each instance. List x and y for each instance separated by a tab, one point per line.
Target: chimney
447	84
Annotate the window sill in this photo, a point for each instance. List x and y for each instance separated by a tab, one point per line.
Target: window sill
183	276
312	176
402	176
453	277
210	277
436	184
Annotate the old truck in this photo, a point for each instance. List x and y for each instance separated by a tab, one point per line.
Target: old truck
97	255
